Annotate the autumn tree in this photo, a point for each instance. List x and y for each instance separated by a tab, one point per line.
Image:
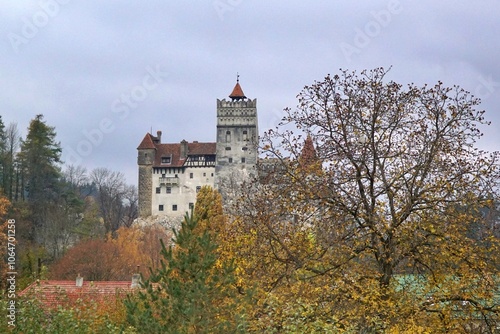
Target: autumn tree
192	291
112	258
209	212
379	236
4	239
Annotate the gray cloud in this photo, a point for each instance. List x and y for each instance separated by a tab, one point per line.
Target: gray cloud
82	56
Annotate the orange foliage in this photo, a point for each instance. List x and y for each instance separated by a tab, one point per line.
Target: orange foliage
4	206
113	258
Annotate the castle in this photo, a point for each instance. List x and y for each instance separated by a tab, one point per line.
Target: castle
171	174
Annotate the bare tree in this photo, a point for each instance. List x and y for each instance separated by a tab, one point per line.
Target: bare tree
113	197
130	203
12	141
76	176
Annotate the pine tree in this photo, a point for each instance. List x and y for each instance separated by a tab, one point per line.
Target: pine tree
39	159
191	292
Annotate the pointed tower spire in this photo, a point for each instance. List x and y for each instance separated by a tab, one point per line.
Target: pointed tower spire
237	93
308	157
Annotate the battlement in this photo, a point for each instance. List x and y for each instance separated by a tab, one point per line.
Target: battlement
237	104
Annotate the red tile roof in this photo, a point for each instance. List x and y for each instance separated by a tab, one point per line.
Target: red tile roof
174	151
147	142
237	92
53	293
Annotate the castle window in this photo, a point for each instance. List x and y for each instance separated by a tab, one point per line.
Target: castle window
166	160
245	135
160	207
228	148
212	174
191	206
174	207
244	148
198	188
158	190
169	190
204	174
228	136
242	160
190	175
230	160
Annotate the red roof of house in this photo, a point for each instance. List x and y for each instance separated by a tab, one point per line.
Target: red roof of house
53	293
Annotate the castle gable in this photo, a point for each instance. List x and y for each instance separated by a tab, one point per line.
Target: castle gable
170	155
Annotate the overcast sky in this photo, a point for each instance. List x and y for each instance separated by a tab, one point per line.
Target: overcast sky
104	73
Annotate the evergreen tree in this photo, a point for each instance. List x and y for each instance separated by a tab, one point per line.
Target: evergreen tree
191	292
40	158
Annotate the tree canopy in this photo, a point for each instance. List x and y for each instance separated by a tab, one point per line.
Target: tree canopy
380	236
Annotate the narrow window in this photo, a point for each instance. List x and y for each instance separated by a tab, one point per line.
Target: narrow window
242	160
190	175
245	135
228	136
169	190
174	207
230	160
158	190
204	174
191	206
160	207
198	188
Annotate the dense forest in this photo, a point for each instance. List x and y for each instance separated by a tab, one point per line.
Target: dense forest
56	206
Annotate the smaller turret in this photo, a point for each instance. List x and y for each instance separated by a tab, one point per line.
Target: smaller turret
237	93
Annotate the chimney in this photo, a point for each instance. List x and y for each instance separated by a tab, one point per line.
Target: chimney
158	136
79	281
184	149
136	281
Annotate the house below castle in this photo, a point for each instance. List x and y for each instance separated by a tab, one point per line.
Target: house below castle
171	174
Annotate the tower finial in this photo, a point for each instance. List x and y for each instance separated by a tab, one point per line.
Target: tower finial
237	93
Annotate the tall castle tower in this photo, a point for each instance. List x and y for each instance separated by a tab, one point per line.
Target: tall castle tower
237	138
146	153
